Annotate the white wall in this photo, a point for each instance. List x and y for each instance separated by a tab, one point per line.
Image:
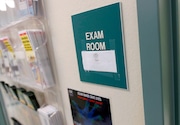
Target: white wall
126	106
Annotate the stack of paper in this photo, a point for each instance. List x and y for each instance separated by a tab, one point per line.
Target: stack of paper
28	7
37	56
11	56
1	63
49	115
5	56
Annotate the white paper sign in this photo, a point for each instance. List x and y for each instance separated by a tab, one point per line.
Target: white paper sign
102	61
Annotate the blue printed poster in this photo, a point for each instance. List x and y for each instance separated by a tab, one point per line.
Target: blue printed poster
88	109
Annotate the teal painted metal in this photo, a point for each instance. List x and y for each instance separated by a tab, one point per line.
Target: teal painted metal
2	118
155	43
149	36
3	114
102	29
166	44
176	43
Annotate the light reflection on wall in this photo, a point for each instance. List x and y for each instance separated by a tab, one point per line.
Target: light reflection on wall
5	3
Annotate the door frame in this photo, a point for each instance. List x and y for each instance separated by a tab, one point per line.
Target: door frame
155	36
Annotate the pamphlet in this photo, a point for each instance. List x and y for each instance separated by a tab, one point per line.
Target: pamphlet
28	7
5	56
49	115
37	55
11	56
1	63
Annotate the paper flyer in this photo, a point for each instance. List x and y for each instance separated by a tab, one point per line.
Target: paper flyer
88	109
49	115
100	61
11	56
30	54
36	52
26	7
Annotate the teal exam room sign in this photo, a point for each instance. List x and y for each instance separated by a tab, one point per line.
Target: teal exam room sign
100	47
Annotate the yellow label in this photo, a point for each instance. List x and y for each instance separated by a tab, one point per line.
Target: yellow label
26	42
8	45
30	106
22	101
28	47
